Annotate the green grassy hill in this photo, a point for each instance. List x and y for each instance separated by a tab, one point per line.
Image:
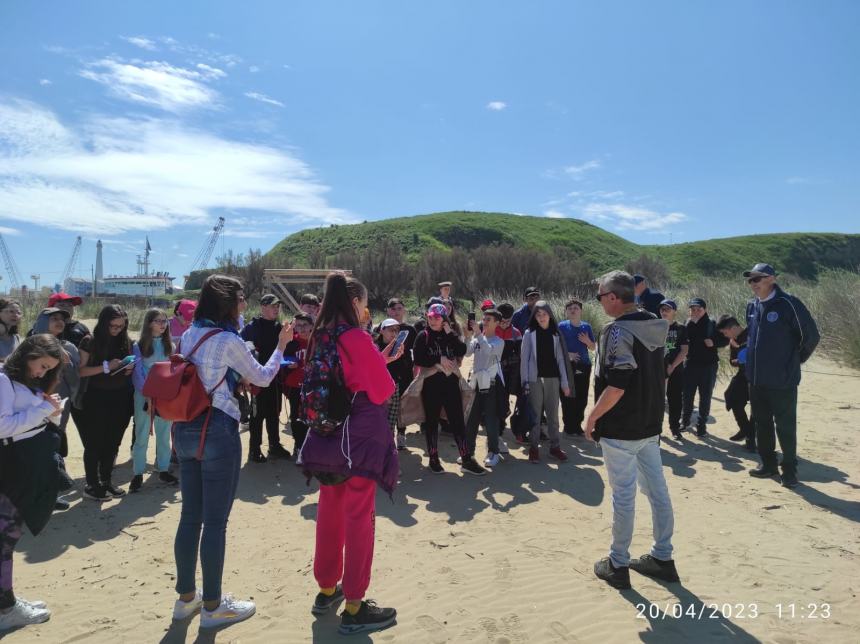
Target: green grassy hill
803	254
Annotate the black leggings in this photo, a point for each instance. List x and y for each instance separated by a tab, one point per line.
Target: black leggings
297	426
101	425
266	407
443	392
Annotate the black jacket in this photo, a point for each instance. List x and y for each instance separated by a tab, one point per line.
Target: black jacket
697	333
782	336
264	334
650	301
431	345
630	357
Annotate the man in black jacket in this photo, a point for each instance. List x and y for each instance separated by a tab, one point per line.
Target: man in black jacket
645	297
738	392
782	336
266	404
627	419
700	367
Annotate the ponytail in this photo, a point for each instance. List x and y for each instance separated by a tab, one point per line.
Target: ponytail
340	290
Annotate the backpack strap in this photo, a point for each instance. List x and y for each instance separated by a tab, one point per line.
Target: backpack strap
202	340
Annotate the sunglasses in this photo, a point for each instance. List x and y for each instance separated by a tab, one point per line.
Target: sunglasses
756	279
600	296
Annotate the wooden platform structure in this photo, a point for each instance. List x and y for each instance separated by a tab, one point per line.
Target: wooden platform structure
278	281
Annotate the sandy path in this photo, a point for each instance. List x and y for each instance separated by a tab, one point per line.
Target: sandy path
503	558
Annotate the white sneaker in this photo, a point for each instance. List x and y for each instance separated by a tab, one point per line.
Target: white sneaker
35	604
492	459
459	460
184	610
401	441
503	447
23	614
229	611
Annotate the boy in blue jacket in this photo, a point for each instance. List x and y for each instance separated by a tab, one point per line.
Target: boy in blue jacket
781	336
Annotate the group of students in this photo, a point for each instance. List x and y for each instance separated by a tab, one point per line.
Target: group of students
251	368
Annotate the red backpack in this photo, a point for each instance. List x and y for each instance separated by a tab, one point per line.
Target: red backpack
176	392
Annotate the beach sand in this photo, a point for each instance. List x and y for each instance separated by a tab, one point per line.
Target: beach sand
503	558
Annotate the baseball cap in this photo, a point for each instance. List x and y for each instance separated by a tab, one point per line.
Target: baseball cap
494	312
638	278
394	301
53	309
269	299
64	297
506	310
670	303
388	322
697	301
531	290
441	284
488	304
435	300
437	311
761	270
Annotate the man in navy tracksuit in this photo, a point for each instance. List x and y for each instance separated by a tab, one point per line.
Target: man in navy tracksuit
781	336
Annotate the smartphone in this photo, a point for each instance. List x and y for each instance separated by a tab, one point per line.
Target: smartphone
401	338
124	366
472	316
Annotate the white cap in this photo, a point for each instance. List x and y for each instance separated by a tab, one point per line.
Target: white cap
387	322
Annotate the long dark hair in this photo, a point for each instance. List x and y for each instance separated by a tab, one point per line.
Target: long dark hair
543	305
103	341
40	345
10	330
219	300
146	337
340	290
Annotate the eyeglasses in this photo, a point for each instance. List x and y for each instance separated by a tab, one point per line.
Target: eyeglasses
160	321
756	279
600	296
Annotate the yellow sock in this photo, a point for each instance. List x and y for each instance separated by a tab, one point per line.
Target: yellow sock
353	607
328	592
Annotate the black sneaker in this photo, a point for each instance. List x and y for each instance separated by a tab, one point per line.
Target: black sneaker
789	480
115	492
369	617
676	434
257	457
167	477
750	446
741	435
136	483
615	577
435	466
278	451
763	472
61	505
701	431
656	568
323	602
96	493
470	466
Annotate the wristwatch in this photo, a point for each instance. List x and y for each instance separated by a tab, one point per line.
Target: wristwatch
106	366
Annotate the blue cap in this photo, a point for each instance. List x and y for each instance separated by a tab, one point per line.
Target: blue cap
761	270
638	278
697	301
669	303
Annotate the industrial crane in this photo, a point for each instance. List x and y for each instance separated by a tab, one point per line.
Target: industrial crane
73	262
11	268
205	254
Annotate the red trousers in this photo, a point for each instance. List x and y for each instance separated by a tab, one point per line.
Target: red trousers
346	520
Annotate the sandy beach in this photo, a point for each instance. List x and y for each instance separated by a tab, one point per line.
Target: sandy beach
503	558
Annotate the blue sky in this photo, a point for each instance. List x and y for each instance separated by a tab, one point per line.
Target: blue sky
658	121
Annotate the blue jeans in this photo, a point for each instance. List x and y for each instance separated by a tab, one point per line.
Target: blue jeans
208	488
625	462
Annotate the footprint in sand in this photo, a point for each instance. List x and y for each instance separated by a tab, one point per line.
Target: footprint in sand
562	632
434	629
503	569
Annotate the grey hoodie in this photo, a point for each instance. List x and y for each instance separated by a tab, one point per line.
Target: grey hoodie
70	379
617	342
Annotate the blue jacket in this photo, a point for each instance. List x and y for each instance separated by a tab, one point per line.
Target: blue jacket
521	317
782	336
650	301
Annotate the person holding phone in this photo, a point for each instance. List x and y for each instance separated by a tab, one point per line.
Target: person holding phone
486	377
153	346
28	471
399	370
105	401
397	311
293	374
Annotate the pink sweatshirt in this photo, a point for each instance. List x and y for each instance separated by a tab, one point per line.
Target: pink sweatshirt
364	367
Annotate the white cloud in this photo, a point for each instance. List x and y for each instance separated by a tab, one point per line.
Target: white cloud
140	41
112	175
554	214
577	171
257	96
9	231
44	82
631	217
154	83
496	106
253	69
210	73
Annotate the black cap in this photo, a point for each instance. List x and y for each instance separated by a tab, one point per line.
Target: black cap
435	300
53	309
268	299
638	278
670	303
697	301
394	301
506	310
761	270
531	290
